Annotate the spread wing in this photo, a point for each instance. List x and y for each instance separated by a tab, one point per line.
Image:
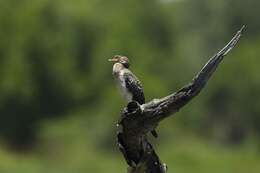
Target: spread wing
135	87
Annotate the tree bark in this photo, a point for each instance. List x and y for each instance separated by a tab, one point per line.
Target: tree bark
137	120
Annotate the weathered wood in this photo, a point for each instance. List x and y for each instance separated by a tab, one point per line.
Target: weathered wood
137	120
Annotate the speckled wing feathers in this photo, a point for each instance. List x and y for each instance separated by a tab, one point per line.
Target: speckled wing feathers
135	87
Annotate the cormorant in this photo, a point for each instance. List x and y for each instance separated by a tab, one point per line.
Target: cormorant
130	87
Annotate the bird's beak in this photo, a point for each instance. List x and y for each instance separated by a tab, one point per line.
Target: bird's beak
113	60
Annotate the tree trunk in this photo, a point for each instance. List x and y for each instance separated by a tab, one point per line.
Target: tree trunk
137	120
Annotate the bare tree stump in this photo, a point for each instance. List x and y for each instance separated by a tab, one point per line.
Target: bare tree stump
137	120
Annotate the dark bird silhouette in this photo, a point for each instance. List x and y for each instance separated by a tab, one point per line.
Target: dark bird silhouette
129	85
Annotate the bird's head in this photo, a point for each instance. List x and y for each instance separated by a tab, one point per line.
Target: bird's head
120	59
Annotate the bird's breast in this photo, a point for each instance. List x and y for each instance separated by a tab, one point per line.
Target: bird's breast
122	86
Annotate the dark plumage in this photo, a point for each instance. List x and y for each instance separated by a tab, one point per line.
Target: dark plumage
134	87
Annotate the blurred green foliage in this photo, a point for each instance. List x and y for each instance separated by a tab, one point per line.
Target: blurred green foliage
58	98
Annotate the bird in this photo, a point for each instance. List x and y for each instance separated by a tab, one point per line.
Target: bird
129	85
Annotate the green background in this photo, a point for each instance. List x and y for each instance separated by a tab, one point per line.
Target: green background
59	104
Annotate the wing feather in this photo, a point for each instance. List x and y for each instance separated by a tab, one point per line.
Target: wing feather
135	87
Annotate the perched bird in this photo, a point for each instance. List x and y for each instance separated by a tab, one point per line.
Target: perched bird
130	87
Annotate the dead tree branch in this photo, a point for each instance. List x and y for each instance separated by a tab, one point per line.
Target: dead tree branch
137	120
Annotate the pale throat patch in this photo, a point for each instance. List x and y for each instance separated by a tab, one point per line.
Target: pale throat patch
117	67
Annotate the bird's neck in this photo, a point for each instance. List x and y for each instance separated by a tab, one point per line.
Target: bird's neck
117	68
